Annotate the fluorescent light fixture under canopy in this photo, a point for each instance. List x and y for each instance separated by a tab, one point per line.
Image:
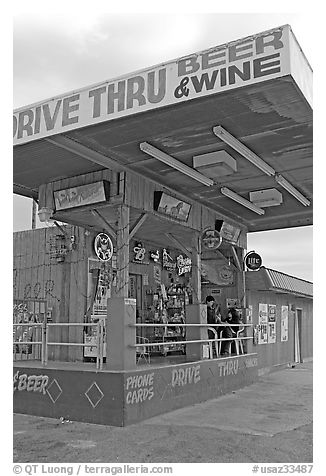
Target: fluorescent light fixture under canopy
237	198
176	164
229	139
292	190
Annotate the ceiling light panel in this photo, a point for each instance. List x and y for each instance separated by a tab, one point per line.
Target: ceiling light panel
230	140
176	164
242	201
292	190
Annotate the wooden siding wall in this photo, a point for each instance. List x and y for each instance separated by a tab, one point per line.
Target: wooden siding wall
283	352
62	285
139	193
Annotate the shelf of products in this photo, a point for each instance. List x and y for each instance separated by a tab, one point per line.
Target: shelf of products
167	307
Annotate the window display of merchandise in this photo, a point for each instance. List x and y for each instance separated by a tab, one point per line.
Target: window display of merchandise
167	307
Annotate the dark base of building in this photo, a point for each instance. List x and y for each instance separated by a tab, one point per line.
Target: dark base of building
78	392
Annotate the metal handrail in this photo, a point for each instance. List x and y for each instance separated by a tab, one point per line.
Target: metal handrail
181	324
223	339
29	342
98	345
154	344
44	343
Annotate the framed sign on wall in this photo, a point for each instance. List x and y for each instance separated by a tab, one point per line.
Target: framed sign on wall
81	195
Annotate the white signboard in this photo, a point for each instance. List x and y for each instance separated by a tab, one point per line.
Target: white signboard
251	60
284	323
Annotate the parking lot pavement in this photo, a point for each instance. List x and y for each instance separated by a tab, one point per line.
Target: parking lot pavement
280	401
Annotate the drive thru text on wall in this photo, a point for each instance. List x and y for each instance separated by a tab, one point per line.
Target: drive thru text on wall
240	63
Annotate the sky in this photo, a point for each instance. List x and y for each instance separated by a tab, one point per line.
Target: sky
55	53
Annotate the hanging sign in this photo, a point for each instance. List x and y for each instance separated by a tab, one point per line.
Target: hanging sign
183	264
103	247
211	239
171	206
139	253
168	262
228	232
81	195
253	261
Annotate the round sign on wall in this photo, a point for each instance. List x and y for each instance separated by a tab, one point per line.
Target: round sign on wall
211	239
103	247
253	261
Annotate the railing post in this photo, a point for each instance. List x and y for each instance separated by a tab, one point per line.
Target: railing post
120	336
43	339
101	349
98	343
196	314
46	328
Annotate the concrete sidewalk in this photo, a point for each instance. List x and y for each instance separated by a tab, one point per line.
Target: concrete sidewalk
269	421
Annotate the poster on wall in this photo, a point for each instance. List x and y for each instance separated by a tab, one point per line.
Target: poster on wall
157	274
284	323
249	314
271	323
217	272
263	324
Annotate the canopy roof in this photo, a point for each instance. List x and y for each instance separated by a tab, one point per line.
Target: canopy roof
258	89
267	279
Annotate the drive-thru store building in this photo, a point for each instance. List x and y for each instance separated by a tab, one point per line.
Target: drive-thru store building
160	174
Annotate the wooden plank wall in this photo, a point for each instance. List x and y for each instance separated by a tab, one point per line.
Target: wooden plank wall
62	285
139	193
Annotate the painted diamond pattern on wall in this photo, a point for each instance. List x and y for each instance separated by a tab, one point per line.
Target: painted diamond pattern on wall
94	394
54	390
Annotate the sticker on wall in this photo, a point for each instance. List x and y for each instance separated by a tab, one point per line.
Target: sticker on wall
271	323
284	323
262	324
